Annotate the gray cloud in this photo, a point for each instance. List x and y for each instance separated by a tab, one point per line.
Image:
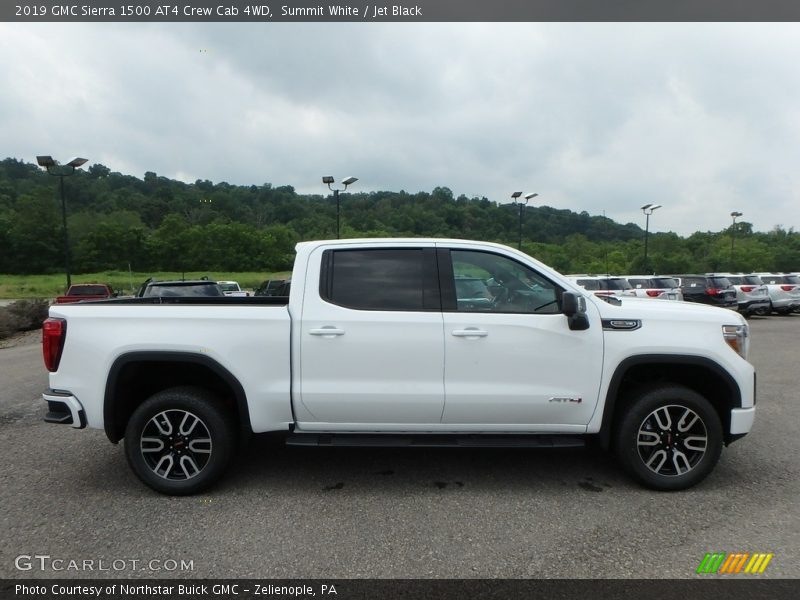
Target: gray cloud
702	118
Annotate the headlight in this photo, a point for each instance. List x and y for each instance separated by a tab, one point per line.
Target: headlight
738	338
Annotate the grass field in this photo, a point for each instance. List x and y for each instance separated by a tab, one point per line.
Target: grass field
50	286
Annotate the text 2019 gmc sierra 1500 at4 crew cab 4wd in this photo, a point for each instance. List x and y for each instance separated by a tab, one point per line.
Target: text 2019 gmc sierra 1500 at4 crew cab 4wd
379	343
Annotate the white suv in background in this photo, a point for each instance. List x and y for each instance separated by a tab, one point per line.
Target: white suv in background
604	285
783	290
658	287
751	293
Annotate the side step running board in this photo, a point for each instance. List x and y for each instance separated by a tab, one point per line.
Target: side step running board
435	440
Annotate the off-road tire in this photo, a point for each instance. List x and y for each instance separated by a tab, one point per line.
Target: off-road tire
180	440
668	437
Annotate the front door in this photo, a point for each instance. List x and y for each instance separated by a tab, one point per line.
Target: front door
511	360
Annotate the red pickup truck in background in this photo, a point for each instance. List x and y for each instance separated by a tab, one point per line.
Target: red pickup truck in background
86	291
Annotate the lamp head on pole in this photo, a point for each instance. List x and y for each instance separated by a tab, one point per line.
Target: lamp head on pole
77	162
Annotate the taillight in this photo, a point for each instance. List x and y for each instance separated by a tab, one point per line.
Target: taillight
748	288
653	293
712	291
54	332
787	288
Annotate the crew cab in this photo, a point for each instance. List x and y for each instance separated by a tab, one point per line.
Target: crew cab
81	292
383	342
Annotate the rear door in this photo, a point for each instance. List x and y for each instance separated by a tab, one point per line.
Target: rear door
513	364
371	342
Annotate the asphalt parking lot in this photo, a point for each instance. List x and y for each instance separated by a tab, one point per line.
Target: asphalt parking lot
387	513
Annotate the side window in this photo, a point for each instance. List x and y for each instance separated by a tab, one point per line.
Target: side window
486	282
376	279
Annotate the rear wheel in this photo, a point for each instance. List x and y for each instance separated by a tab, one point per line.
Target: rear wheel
180	440
670	437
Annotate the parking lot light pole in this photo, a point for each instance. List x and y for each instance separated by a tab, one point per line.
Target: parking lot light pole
648	209
734	215
515	196
328	179
61	171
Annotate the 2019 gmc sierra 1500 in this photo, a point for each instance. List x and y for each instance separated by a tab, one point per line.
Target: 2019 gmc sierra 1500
392	342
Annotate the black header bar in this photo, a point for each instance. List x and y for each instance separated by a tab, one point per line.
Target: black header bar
734	588
418	11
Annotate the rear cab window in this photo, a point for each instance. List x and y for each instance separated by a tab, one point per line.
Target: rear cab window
393	279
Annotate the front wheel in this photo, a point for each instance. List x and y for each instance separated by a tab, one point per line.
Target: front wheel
180	440
669	438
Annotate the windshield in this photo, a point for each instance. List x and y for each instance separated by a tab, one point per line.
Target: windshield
88	290
791	279
753	280
735	280
720	282
230	287
615	283
198	289
664	283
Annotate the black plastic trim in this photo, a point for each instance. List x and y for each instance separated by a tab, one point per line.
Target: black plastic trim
429	440
59	413
658	359
166	357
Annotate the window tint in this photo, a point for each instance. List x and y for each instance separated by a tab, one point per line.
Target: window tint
88	290
752	279
639	283
196	290
616	283
720	282
487	282
589	284
664	283
376	279
734	279
694	282
791	279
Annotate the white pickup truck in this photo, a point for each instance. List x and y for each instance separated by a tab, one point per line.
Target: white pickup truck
404	342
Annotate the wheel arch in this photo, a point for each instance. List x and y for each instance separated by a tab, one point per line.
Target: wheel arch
700	374
135	376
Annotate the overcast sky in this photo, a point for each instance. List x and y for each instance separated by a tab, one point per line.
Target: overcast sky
702	118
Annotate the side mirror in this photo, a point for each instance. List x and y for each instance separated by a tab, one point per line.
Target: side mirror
574	308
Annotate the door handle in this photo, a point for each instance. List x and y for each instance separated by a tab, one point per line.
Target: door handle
327	331
470	332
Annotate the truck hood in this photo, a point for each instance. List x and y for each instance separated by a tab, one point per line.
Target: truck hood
644	308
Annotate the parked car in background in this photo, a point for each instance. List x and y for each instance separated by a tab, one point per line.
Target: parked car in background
783	291
274	287
604	285
711	290
164	289
658	287
751	293
231	288
81	292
